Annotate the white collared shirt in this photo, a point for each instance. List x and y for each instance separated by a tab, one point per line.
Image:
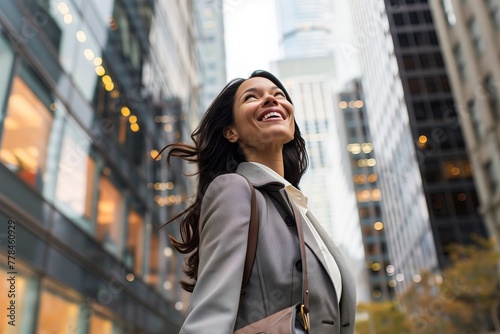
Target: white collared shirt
301	201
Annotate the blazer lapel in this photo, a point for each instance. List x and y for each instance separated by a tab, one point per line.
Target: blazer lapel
348	298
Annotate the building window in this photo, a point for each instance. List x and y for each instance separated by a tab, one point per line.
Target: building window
494	9
477	39
110	210
25	292
449	12
76	178
491	176
153	277
492	91
59	310
6	65
438	204
403	40
476	120
100	325
26	134
135	242
460	60
408	62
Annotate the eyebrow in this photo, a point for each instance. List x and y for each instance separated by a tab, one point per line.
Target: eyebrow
253	89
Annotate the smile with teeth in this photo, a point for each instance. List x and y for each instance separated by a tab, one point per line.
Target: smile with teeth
272	114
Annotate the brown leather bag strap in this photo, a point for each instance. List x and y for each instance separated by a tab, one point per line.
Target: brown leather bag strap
305	284
253	235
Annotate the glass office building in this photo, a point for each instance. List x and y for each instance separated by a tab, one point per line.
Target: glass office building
469	37
381	275
88	94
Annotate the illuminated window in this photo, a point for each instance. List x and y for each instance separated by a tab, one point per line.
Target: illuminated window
135	242
58	311
110	216
25	287
376	195
26	133
100	325
75	177
154	250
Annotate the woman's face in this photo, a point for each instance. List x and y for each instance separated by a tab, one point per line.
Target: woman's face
263	117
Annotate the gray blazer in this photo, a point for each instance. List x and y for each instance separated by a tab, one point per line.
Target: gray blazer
276	277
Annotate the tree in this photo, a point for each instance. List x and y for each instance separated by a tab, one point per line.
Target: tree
380	318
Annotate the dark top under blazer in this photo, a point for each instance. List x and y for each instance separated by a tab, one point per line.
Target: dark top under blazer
276	280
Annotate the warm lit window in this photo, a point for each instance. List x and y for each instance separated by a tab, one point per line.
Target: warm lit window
75	177
135	242
100	325
59	310
154	244
25	134
23	308
110	216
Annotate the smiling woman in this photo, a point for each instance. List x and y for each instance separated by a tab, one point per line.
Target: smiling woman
249	131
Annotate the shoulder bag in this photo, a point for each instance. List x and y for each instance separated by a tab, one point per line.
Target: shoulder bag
294	319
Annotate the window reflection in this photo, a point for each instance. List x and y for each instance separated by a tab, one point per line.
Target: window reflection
58	311
26	133
75	177
110	216
135	242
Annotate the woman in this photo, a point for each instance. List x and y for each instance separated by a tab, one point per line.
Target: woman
250	130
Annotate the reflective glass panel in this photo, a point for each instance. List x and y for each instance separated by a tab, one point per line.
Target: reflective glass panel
100	325
6	63
76	177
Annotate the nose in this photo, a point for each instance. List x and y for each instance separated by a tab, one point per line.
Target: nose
270	99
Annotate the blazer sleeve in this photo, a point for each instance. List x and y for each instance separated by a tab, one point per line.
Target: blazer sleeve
224	219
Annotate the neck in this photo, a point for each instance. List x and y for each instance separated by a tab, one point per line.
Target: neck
273	160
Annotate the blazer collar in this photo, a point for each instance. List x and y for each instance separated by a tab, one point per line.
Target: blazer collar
258	177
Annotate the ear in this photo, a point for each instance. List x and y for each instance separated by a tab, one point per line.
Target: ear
230	134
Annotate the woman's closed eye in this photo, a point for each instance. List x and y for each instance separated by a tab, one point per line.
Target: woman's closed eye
249	96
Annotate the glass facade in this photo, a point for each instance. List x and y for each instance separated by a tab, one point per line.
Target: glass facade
83	107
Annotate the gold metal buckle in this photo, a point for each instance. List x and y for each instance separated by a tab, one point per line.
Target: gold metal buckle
305	317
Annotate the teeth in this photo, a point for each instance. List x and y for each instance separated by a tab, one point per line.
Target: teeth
273	113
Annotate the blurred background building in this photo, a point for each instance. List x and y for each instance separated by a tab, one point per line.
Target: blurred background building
468	33
89	91
446	170
381	278
405	214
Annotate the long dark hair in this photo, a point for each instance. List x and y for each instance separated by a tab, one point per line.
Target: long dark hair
214	156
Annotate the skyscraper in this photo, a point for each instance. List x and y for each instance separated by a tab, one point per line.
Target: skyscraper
380	273
468	33
405	213
444	163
